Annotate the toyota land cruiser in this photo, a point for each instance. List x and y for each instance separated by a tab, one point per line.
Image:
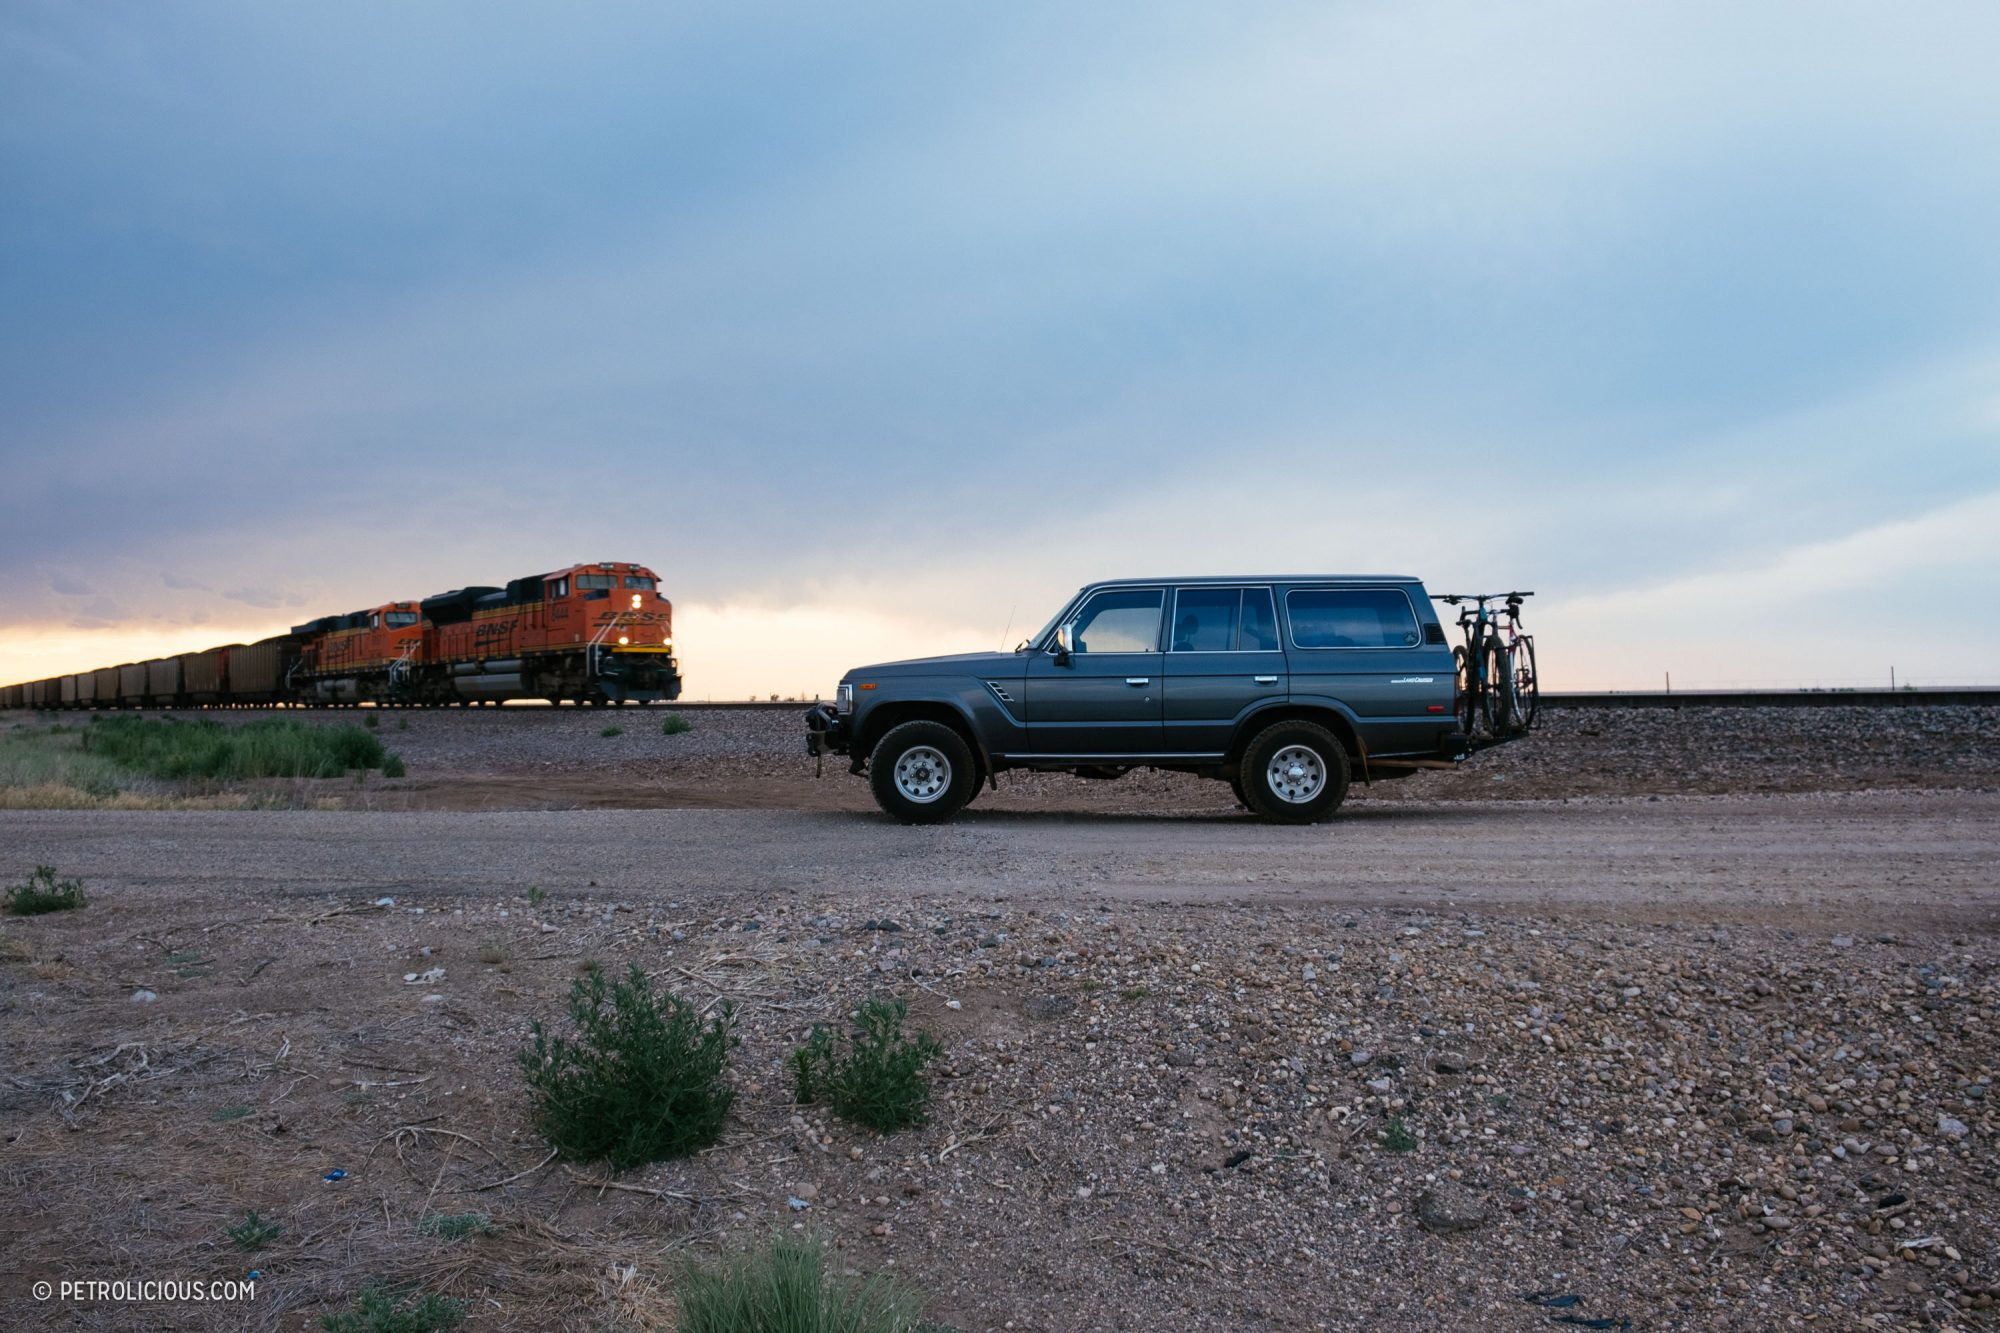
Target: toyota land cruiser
1282	687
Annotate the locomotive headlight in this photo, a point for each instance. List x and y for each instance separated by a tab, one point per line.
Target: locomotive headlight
635	601
668	643
623	640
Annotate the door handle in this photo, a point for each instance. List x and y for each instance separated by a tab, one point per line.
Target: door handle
1265	680
1138	680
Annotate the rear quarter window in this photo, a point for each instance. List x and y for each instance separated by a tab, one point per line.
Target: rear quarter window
1352	618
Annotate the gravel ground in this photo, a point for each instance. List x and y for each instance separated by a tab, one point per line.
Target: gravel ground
541	758
1702	1061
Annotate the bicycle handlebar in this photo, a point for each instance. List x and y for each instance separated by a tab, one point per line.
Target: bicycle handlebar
1454	598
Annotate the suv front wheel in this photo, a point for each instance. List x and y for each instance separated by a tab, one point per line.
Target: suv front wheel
922	772
1294	773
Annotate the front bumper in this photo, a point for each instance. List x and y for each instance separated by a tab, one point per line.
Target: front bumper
826	731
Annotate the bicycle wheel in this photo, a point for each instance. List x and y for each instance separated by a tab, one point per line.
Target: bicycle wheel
1527	690
1465	701
1495	706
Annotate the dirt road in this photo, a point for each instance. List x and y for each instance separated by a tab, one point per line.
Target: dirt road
1906	859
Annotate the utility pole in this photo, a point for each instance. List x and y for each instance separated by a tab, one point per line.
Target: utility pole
1670	682
1892	680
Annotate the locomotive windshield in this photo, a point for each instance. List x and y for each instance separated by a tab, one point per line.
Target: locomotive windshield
400	619
596	581
638	581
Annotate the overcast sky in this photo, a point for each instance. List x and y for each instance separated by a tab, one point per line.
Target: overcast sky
875	329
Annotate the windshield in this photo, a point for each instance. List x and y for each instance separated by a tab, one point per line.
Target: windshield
1043	633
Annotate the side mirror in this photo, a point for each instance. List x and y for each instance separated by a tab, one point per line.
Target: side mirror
1063	648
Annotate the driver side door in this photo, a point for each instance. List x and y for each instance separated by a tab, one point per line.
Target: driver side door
1106	699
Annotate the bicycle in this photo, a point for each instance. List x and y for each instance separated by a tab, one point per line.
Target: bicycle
1524	690
1497	690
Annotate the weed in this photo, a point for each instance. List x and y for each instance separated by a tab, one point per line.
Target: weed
358	1098
494	953
371	721
254	1232
1092	985
266	748
402	724
877	1077
612	731
1136	992
675	725
644	1082
1397	1138
535	895
392	767
454	1226
784	1287
378	1312
42	892
228	1113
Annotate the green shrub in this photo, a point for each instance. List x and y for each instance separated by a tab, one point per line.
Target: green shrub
612	731
875	1076
371	721
254	1232
645	1080
454	1226
392	767
42	892
266	748
1397	1138
784	1287
378	1312
675	725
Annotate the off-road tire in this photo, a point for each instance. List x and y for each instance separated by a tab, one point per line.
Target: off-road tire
954	784
1331	769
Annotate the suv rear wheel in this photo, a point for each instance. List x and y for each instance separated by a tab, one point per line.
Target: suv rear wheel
1294	773
922	772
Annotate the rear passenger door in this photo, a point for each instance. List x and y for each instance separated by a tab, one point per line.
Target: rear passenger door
1223	661
1364	647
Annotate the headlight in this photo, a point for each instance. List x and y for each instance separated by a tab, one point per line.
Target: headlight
843	698
624	639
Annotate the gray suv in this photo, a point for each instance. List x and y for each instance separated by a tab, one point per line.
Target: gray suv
1282	687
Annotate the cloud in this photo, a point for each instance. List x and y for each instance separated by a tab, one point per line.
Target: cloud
263	598
180	581
68	585
103	613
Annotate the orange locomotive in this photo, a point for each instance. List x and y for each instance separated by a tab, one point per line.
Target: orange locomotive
593	633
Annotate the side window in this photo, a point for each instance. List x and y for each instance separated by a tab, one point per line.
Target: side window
1119	622
1260	622
558	589
1205	620
1352	618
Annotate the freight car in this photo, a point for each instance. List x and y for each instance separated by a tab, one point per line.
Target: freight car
598	633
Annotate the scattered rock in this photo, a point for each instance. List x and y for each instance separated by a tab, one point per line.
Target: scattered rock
1447	1207
1049	1006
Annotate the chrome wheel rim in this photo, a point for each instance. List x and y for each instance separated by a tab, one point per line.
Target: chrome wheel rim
922	774
1296	774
